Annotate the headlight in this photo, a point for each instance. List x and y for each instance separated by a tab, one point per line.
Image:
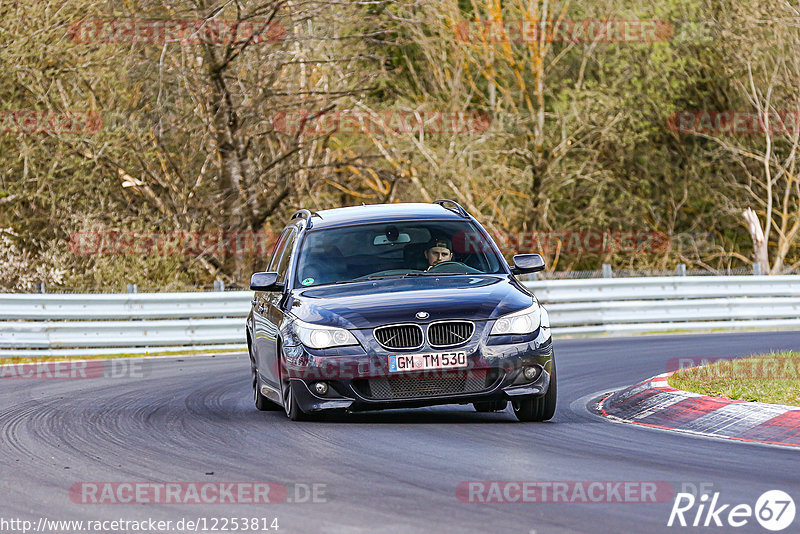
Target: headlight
322	337
522	322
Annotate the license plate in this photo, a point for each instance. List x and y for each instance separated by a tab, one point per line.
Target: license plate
422	362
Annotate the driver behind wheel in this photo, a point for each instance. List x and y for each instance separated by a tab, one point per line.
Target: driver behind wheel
438	251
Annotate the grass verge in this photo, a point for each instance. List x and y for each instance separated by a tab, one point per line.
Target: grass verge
772	378
114	356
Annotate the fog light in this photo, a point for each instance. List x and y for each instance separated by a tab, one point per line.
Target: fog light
530	372
321	388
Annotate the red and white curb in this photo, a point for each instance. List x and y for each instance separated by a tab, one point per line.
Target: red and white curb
654	404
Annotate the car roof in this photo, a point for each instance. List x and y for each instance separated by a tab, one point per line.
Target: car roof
378	213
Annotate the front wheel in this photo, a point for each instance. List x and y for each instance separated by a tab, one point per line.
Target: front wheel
290	405
538	408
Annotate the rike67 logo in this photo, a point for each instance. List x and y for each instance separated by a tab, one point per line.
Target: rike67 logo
774	510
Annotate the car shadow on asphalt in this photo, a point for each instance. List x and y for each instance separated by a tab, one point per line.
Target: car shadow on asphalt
421	416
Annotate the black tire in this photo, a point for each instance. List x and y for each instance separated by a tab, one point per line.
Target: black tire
541	407
262	403
290	405
490	406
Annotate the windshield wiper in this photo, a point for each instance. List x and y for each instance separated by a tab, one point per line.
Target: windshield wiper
387	276
410	275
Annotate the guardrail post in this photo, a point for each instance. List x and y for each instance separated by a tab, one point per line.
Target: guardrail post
132	288
681	269
219	285
607	273
39	287
756	269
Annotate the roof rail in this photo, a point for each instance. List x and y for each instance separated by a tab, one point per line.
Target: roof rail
305	214
458	209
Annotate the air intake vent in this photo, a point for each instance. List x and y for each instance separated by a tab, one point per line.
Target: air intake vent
431	384
450	333
401	336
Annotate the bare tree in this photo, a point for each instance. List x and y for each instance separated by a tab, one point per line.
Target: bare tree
763	140
189	94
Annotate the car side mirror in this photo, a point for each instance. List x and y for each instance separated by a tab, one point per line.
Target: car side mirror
265	282
527	263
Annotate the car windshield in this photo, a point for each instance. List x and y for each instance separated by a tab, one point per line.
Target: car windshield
394	250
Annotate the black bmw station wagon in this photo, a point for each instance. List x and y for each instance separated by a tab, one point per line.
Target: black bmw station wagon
397	306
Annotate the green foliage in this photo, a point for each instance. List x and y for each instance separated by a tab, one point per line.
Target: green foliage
772	378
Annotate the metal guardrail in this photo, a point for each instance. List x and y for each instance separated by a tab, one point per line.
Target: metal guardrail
670	304
63	324
127	306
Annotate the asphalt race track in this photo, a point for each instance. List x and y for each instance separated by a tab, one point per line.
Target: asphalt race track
192	419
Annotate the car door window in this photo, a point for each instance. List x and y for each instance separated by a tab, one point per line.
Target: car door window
280	246
283	264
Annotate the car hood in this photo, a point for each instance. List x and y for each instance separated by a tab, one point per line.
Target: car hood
372	303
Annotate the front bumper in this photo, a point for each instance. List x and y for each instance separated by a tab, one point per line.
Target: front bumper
359	379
